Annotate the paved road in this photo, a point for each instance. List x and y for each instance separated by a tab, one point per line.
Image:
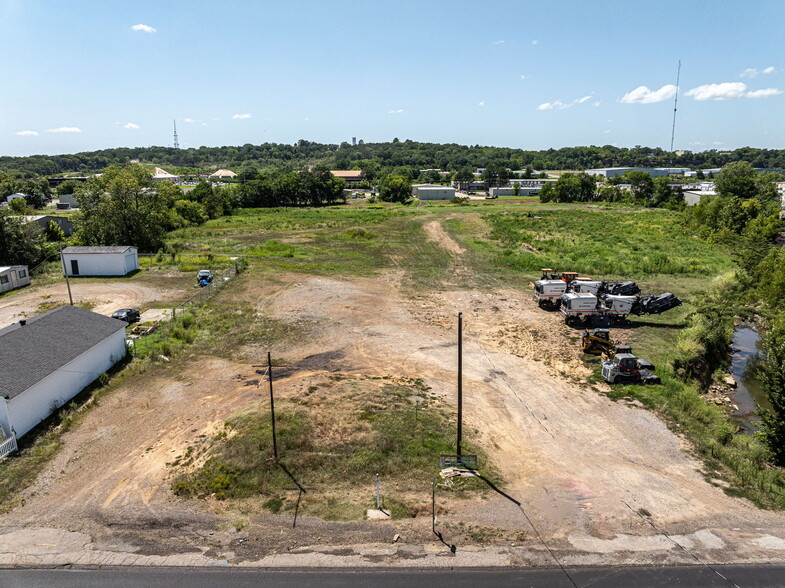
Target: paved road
606	577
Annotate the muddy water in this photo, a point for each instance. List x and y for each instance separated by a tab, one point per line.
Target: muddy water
748	394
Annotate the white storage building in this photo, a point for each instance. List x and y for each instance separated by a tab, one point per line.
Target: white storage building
13	276
48	359
435	193
100	261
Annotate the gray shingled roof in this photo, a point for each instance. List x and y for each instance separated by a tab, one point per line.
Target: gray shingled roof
47	343
117	249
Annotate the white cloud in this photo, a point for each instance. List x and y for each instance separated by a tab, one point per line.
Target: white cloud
643	95
190	120
481	103
718	143
398	111
65	130
502	42
723	91
144	27
130	125
240	116
535	42
27	133
559	105
597	103
754	72
698	143
606	131
765	93
523	77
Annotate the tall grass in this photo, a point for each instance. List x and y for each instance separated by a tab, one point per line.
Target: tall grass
618	242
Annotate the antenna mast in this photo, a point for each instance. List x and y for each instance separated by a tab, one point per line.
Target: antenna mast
675	104
177	143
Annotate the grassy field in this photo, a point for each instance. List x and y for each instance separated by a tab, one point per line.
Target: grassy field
506	243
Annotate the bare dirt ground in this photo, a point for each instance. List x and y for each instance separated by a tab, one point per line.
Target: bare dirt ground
103	296
599	481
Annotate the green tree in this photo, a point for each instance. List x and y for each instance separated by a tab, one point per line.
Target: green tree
463	176
125	207
772	371
19	206
192	212
21	243
737	179
54	232
641	185
395	189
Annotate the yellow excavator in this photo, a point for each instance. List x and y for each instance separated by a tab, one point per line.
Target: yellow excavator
598	342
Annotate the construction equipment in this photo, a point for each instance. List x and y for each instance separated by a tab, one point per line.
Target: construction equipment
602	309
598	342
548	293
628	369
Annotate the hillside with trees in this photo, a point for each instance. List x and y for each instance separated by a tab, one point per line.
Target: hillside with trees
405	158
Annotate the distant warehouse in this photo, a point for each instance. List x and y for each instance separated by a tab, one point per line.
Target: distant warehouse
424	192
612	172
100	261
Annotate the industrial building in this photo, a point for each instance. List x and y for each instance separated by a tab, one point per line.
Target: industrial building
612	172
434	192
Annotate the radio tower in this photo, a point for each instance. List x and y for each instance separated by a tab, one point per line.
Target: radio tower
675	103
177	143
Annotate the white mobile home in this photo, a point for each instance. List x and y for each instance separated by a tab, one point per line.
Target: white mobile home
48	359
13	276
100	261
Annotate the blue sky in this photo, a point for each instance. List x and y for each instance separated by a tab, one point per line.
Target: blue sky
80	75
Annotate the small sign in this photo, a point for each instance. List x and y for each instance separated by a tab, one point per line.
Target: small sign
458	461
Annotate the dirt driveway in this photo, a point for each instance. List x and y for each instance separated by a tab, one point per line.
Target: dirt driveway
103	296
599	481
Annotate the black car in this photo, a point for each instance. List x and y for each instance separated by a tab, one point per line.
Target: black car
129	315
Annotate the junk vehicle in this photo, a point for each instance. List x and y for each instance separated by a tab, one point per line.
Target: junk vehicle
598	342
626	368
204	277
578	307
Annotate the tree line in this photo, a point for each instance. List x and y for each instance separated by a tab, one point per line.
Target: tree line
744	215
404	158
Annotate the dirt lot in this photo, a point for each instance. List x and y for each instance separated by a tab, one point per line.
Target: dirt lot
600	481
103	296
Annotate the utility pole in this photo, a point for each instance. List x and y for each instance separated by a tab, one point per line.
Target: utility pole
272	404
65	273
460	384
675	104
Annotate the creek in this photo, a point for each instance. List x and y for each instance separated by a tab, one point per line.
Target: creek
745	360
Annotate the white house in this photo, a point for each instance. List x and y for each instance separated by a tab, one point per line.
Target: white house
15	196
100	261
13	276
435	193
48	359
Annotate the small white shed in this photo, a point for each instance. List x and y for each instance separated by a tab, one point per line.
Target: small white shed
13	276
100	261
48	359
